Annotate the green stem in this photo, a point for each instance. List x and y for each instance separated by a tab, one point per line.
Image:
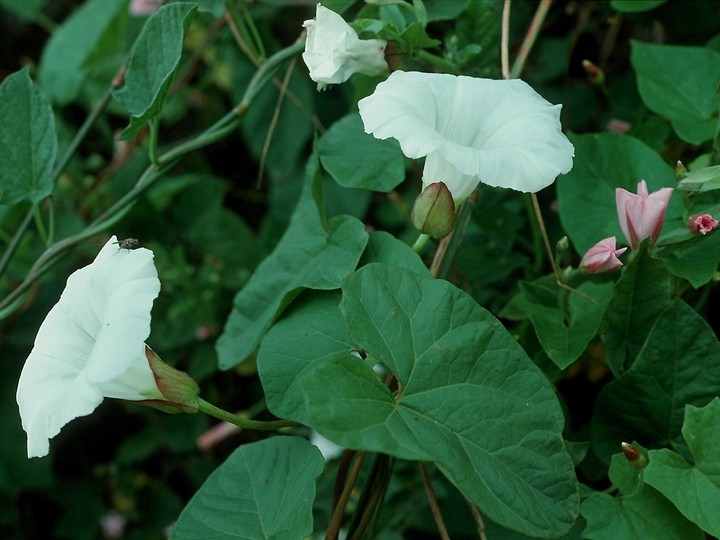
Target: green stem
258	44
39	223
333	528
445	255
372	495
536	236
51	220
219	130
432	501
421	242
59	168
154	134
100	106
12	246
265	73
244	423
530	38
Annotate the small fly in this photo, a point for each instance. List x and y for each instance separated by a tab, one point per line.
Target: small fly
128	243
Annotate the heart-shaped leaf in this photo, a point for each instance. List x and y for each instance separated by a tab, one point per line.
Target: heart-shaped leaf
693	488
263	490
469	399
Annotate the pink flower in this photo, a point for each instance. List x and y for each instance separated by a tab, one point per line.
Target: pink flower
140	8
215	435
602	257
702	223
641	216
618	126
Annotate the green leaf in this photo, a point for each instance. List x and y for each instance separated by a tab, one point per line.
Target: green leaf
641	512
603	162
62	68
384	247
28	10
564	321
646	515
693	488
469	399
28	143
344	151
695	260
635	6
677	366
680	83
308	255
263	490
442	10
705	179
312	331
640	296
155	58
624	476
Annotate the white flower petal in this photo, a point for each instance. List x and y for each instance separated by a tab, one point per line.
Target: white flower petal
333	50
501	133
90	345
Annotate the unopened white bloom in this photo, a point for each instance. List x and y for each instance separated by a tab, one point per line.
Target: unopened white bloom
91	345
471	130
333	50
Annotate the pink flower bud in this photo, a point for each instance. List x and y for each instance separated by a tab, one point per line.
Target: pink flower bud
702	223
618	126
602	257
641	215
633	455
141	8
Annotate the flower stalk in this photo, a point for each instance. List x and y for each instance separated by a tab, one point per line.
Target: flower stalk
244	423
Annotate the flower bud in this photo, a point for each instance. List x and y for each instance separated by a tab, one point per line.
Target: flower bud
701	223
680	170
633	455
562	246
333	50
177	387
434	211
602	257
594	73
641	215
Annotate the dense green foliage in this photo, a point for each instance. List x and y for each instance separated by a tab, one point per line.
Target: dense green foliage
282	238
